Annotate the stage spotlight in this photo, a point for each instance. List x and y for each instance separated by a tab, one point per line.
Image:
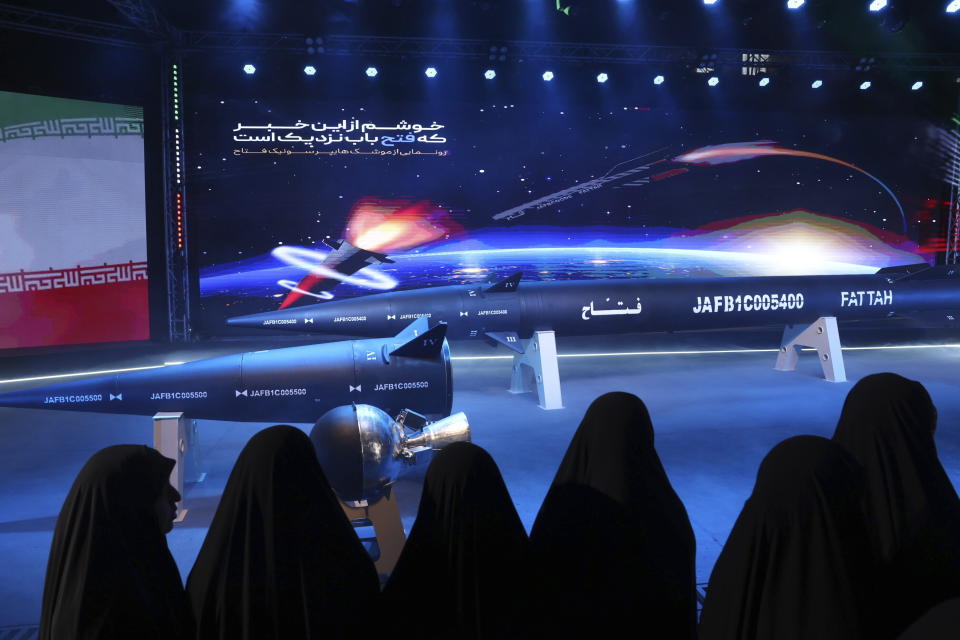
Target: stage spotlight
878	5
953	7
489	74
602	77
249	69
865	85
709	1
310	70
658	80
372	72
547	76
795	4
713	81
816	84
919	84
764	82
430	72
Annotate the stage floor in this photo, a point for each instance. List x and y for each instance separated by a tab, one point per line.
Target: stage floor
715	416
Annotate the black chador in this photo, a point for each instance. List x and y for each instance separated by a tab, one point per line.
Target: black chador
463	571
281	560
887	424
110	573
612	544
795	565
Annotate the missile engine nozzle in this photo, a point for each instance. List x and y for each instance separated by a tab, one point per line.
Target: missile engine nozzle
363	450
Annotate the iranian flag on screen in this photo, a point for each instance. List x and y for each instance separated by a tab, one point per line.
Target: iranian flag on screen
73	251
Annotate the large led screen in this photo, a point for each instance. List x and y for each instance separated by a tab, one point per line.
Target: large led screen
457	192
73	251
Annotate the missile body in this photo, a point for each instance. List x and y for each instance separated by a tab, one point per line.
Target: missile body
295	384
509	310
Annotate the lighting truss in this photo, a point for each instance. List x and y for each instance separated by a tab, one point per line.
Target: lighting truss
143	15
150	26
53	24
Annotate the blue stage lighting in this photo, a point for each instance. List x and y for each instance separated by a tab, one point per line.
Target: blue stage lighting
919	83
713	81
659	80
310	70
709	1
865	85
602	77
372	72
816	84
489	74
249	69
548	76
430	72
878	5
795	4
953	7
764	82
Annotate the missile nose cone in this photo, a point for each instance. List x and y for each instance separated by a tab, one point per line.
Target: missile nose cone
244	321
266	319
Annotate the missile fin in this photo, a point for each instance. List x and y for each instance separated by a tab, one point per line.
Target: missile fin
426	345
509	339
508	284
921	271
416	328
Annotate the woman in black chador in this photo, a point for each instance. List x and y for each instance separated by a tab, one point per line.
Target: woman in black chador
462	572
612	544
796	566
110	573
887	423
281	560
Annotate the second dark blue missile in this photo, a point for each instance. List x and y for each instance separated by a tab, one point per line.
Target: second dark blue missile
509	310
297	384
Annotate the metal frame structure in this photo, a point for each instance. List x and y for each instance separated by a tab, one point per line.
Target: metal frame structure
952	153
149	28
176	238
53	24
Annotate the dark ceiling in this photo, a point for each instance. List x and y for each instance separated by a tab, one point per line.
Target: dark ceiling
821	25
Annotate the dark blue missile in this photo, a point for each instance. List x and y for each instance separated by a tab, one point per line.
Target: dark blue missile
297	384
510	310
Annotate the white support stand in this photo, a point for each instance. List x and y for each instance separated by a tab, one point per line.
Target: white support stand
540	355
170	439
823	336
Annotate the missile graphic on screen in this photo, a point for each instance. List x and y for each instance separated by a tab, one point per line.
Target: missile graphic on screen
411	370
632	173
345	260
509	310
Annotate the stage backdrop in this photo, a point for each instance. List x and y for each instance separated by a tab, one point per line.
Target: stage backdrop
73	254
458	192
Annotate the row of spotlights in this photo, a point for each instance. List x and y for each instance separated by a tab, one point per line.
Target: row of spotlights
874	5
490	74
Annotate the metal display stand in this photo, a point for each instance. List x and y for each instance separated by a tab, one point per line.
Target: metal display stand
384	516
539	355
823	336
175	436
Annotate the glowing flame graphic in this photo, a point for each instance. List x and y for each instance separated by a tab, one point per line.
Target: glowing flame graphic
390	225
737	151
